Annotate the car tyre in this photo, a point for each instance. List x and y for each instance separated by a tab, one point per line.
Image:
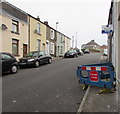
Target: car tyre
49	60
37	64
14	69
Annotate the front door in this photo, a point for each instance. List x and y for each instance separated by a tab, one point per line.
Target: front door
24	49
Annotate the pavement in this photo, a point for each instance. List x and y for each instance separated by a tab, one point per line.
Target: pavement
103	103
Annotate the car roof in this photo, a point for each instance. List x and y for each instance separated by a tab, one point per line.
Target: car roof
5	53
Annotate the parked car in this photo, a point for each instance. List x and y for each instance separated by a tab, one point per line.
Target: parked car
86	51
71	53
35	58
78	51
8	63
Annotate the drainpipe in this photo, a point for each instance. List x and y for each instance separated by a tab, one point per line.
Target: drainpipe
29	35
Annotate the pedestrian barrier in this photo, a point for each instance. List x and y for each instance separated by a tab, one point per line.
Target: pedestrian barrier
101	75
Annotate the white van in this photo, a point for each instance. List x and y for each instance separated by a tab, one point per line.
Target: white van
105	53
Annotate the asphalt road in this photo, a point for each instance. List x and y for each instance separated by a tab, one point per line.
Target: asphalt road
49	88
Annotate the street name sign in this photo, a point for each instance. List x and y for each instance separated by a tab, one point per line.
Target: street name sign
106	29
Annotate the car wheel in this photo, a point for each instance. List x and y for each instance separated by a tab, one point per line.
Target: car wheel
74	56
49	60
37	64
14	69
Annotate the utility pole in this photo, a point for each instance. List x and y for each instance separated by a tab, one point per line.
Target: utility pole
76	40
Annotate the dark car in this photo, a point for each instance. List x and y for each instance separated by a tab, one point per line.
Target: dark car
78	51
71	53
86	52
8	63
35	58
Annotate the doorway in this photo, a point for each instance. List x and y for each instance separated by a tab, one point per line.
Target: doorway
24	49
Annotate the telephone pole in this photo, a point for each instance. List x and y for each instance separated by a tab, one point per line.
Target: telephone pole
76	40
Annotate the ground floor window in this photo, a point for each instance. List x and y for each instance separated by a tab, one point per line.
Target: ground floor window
15	44
61	50
38	45
52	48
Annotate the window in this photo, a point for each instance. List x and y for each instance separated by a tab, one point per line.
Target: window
15	47
61	50
5	56
52	34
61	39
15	26
38	45
46	53
52	48
38	28
42	53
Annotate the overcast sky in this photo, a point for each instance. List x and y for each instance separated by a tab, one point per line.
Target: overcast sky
84	17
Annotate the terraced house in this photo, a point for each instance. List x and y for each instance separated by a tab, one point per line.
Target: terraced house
23	33
14	29
60	44
37	34
67	43
50	39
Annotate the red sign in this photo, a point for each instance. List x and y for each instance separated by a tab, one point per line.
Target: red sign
93	76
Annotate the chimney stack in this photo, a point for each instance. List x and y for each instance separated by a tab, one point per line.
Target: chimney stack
46	22
38	18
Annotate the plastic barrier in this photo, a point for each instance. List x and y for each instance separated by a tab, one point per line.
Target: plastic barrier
101	75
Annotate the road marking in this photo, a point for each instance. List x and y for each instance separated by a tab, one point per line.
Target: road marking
86	94
84	99
118	81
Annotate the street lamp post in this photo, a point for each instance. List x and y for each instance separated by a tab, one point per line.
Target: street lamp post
56	25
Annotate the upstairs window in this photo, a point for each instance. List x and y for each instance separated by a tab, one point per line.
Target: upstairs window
61	39
52	34
15	26
38	28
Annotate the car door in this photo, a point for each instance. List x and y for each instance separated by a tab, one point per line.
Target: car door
0	64
42	57
7	61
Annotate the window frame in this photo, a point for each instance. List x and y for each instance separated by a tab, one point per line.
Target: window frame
17	54
38	44
61	49
3	57
38	28
15	24
52	34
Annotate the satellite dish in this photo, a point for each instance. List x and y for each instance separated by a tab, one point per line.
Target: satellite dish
4	27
